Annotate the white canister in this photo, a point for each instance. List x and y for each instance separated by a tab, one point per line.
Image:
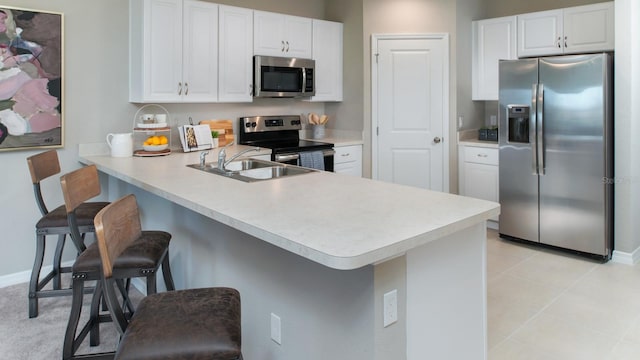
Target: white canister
121	144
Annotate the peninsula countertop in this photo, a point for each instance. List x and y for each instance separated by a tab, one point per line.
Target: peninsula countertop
339	221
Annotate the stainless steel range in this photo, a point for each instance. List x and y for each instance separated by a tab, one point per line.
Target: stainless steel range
281	135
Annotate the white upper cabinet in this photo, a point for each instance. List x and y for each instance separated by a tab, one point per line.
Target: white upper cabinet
327	53
236	55
173	51
573	30
200	52
493	40
589	28
281	35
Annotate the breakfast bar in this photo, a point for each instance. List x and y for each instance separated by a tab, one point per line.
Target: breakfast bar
328	266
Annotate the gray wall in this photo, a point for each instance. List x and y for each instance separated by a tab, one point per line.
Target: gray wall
95	103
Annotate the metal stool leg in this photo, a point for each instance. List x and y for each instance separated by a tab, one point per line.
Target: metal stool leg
35	276
166	273
69	347
57	259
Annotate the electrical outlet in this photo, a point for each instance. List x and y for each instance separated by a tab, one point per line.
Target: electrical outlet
276	329
390	308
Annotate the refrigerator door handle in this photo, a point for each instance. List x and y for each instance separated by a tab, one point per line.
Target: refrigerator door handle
540	129
532	130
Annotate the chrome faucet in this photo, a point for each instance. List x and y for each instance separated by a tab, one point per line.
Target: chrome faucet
203	156
222	155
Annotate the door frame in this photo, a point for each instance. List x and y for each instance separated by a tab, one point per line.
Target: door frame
374	100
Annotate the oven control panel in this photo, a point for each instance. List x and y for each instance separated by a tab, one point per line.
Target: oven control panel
270	123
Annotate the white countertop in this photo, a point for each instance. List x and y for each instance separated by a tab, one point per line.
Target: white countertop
470	138
336	137
479	143
339	221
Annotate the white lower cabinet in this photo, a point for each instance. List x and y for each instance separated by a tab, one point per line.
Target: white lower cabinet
348	160
478	173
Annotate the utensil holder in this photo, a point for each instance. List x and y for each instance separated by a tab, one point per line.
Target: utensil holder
317	131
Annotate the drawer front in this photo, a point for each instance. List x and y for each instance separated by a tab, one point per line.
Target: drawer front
346	154
481	155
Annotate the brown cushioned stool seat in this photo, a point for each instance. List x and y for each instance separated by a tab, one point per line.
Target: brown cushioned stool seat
58	217
185	324
145	253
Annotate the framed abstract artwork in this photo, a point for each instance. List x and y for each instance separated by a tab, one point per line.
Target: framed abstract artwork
31	79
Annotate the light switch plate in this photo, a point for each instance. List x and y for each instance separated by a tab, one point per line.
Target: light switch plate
276	329
390	308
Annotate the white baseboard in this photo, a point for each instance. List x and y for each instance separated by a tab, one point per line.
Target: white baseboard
626	258
25	276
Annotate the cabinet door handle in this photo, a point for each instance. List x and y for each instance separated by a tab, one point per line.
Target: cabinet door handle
482	155
186	89
559	43
179	88
346	154
282	42
287	46
565	42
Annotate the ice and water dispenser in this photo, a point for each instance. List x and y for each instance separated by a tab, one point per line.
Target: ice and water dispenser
518	120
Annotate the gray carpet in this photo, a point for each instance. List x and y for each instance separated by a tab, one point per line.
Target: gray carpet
42	337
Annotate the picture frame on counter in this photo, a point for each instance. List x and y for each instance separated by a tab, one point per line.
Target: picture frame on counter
31	79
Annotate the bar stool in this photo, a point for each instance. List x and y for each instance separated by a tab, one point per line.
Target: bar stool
43	166
186	324
142	259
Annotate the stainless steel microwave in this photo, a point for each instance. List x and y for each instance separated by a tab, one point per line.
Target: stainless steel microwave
279	77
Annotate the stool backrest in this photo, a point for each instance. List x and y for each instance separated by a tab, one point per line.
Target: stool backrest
42	166
77	187
117	227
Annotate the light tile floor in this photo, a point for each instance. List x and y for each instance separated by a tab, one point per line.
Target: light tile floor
545	305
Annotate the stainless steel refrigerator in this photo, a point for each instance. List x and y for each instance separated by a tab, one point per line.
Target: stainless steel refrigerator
556	152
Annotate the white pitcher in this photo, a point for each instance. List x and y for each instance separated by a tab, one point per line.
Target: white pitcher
121	144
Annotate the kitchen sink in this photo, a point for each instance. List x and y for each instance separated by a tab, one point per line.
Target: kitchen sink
248	164
274	172
251	170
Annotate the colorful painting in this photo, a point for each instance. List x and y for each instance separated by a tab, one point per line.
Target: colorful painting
31	79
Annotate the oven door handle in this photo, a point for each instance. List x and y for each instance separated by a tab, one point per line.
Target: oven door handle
296	156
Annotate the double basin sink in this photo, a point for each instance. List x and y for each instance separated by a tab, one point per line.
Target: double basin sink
251	170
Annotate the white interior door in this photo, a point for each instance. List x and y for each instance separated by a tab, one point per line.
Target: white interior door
410	87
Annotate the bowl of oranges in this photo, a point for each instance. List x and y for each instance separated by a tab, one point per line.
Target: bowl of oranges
156	143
